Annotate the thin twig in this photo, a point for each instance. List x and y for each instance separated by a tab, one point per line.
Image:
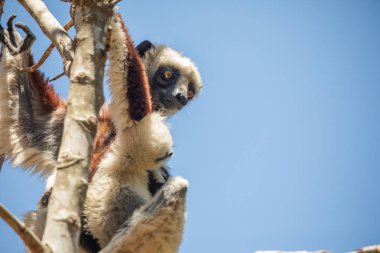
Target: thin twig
52	28
2	157
56	77
46	53
2	2
30	239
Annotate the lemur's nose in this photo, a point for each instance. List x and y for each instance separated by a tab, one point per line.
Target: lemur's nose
181	98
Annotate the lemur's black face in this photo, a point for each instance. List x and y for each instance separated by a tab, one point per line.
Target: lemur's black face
170	88
170	91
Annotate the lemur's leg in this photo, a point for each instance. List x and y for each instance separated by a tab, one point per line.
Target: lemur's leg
31	113
157	226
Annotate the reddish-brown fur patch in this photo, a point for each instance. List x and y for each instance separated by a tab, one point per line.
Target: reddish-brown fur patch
138	92
49	99
105	135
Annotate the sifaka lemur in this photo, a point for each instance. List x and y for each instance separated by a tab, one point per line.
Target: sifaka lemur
133	142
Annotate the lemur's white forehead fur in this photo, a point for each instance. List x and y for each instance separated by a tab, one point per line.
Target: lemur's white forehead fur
162	55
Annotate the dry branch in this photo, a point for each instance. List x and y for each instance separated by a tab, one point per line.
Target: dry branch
30	239
52	29
46	53
56	77
91	18
369	249
2	157
2	2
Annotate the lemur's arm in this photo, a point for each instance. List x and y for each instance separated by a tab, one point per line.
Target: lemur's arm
141	139
129	85
31	113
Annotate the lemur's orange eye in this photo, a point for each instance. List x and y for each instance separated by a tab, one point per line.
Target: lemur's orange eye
168	74
190	94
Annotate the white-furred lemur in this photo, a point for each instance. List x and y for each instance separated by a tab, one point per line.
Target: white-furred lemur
128	167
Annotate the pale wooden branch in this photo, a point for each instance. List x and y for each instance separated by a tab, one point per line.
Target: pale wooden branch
56	77
2	158
368	249
46	53
30	239
2	2
52	29
91	19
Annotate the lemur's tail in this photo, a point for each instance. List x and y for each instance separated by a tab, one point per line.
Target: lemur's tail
31	113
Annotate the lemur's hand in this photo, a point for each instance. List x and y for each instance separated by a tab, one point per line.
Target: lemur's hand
12	39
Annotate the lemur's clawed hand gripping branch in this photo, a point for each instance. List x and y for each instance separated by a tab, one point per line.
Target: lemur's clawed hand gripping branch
46	54
52	29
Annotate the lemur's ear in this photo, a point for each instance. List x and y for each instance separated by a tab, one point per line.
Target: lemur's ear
144	46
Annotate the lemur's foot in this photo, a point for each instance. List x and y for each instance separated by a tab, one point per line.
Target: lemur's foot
12	39
172	194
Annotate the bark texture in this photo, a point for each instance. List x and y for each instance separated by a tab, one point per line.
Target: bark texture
2	2
62	229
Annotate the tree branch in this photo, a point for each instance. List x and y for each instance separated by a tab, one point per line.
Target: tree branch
30	239
46	53
56	77
52	29
368	249
91	18
2	157
2	2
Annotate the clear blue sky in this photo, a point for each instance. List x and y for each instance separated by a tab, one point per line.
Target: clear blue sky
282	148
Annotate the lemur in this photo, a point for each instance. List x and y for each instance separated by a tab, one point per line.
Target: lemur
132	144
